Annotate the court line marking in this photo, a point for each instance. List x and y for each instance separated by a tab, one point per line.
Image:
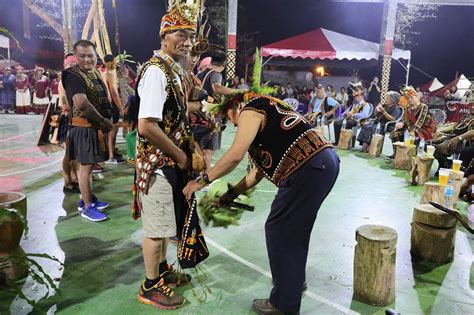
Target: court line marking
269	275
24	134
21	141
31	169
266	191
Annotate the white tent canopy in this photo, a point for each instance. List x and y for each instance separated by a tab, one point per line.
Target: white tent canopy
463	84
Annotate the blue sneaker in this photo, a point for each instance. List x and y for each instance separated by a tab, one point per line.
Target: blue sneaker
100	205
91	213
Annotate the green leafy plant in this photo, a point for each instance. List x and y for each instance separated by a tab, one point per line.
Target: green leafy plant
33	268
124	57
222	216
10	35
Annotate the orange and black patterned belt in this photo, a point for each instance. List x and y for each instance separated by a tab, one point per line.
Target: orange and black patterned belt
80	122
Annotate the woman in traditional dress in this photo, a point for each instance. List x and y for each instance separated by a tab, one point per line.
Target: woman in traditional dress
23	96
40	96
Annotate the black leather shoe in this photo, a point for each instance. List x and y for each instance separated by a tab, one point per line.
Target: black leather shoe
263	306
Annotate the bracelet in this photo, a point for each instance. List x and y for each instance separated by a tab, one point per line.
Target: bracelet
203	179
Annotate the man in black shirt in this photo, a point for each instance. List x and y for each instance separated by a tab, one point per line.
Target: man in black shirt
208	132
90	108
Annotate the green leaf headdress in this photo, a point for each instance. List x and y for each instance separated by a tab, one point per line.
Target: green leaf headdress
124	57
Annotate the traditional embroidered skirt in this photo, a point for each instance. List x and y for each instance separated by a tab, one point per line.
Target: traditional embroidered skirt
23	102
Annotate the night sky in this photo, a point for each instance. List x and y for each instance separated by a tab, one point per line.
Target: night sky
444	46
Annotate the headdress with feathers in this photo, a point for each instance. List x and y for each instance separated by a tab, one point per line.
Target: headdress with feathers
182	15
406	91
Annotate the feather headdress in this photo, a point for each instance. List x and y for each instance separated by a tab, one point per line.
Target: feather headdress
181	15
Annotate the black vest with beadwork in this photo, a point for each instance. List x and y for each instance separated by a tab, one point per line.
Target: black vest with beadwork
325	106
174	123
173	111
96	91
285	141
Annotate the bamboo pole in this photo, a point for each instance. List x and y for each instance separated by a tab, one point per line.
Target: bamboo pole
103	28
96	38
90	18
45	17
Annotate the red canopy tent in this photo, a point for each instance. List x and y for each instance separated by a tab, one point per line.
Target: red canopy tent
461	82
431	86
325	44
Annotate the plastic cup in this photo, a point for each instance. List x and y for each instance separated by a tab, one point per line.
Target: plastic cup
443	176
457	165
430	150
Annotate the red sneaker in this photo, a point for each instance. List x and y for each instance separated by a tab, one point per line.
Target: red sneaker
97	168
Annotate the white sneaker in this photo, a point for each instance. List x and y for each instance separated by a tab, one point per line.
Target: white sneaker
114	161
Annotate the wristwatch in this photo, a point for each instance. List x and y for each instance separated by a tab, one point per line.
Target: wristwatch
203	179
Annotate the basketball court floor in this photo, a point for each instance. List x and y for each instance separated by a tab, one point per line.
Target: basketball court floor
103	267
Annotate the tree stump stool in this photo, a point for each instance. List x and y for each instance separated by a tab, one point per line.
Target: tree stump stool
422	166
432	192
433	234
374	265
403	156
376	145
11	230
456	178
345	139
320	129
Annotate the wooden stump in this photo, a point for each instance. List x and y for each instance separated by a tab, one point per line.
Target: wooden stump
456	178
376	145
320	129
433	192
421	165
403	156
11	230
345	139
374	265
433	235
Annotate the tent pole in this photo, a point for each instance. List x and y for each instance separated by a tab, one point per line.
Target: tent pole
246	71
267	60
408	71
8	54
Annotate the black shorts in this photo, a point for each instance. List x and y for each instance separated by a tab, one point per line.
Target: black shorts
82	145
207	139
115	114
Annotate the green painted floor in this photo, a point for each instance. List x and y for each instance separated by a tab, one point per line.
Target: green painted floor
103	266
